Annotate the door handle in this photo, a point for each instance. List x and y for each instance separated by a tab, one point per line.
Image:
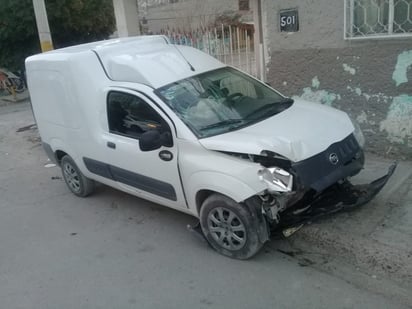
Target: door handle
166	155
111	145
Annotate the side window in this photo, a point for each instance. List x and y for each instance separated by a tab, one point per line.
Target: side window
131	116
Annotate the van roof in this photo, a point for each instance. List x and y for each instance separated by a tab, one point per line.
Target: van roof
149	60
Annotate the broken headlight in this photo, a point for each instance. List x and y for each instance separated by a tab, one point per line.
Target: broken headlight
358	133
277	179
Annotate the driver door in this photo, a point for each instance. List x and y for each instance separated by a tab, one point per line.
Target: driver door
152	174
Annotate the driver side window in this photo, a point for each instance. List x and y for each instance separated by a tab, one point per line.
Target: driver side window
130	116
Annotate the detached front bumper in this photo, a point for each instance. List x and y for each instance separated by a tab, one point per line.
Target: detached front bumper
338	197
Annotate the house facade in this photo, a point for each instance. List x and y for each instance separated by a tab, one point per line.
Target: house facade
186	15
355	55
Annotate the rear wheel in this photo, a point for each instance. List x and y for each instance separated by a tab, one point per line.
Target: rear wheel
78	184
229	227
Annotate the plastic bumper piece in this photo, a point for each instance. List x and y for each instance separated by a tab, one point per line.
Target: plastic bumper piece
336	198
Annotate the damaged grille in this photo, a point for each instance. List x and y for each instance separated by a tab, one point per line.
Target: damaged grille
347	148
340	160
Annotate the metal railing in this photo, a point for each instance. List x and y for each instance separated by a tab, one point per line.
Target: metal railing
230	44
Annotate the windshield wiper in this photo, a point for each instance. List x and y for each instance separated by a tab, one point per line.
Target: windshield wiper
271	109
221	123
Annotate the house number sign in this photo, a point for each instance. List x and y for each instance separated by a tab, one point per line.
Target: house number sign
289	20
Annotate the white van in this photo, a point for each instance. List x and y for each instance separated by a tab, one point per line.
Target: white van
174	125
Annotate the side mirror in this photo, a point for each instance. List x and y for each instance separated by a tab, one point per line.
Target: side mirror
152	140
166	139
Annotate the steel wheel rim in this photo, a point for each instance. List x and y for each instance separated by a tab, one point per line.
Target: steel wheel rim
71	177
226	228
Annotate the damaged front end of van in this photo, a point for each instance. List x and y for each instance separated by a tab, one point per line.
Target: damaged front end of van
301	192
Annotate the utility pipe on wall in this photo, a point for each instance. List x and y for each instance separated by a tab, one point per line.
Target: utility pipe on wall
127	20
258	40
43	29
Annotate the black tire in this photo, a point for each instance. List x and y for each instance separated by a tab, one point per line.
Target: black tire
77	183
236	235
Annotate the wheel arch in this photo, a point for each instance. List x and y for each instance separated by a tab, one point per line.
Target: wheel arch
56	149
59	154
202	184
201	196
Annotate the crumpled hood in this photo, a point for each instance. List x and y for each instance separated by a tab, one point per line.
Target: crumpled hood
298	133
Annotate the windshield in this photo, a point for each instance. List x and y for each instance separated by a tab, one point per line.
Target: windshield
222	100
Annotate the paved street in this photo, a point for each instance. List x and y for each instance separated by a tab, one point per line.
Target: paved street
113	250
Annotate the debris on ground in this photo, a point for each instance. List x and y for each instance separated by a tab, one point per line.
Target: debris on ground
291	253
292	230
27	128
196	230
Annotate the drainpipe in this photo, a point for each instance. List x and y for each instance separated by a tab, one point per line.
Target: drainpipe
258	40
127	20
43	29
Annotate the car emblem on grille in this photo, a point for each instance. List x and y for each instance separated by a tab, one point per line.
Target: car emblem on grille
333	158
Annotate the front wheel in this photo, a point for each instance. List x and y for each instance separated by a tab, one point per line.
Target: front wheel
229	227
78	184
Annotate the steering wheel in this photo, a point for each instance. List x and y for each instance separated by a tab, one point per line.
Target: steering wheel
230	99
234	95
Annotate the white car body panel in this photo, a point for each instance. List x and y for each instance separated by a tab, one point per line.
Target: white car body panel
297	133
155	65
202	169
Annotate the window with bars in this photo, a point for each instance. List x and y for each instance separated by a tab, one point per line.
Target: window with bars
378	18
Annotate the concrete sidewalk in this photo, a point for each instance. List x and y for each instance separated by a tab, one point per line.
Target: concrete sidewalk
375	238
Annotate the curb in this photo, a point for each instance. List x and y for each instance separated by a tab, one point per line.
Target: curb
9	99
10	103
